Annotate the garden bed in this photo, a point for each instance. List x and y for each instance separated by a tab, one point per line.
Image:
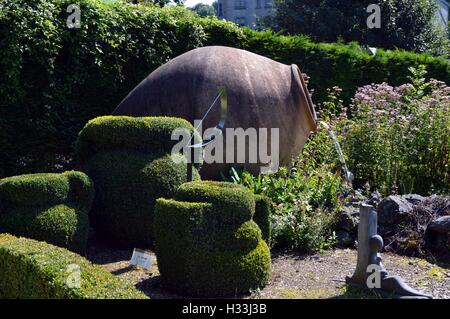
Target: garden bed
294	276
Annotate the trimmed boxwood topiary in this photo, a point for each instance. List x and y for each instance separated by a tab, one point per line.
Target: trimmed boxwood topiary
129	159
263	204
207	243
263	209
50	207
33	269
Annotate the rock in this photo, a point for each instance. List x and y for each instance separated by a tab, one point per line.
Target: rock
413	198
346	221
355	198
261	92
393	209
375	199
440	225
344	239
356	214
437	238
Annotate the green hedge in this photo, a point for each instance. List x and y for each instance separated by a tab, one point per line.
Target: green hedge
238	205
148	135
206	247
50	207
54	79
345	65
263	210
129	160
31	269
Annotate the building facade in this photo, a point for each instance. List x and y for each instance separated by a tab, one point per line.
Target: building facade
244	12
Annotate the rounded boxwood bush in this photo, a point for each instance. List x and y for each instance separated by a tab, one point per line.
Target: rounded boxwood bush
33	269
50	207
129	159
205	247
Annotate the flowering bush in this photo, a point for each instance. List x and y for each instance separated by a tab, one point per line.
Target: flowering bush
397	138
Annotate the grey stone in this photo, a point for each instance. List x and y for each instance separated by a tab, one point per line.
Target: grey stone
440	225
375	199
393	209
356	214
413	198
346	222
355	198
344	239
369	247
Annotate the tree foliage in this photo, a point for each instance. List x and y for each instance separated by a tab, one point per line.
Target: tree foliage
204	10
406	24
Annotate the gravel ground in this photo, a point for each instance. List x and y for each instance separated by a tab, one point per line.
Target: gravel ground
294	276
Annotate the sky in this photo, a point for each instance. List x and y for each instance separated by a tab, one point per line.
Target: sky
191	3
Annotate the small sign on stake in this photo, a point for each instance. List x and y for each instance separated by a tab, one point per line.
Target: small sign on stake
141	258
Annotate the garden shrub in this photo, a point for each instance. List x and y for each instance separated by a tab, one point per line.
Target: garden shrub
129	159
224	197
263	211
395	139
54	79
306	199
31	269
50	207
207	243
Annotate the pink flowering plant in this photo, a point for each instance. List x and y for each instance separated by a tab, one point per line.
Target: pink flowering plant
395	139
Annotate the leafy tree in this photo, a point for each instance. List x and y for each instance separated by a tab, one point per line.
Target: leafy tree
215	5
204	10
406	24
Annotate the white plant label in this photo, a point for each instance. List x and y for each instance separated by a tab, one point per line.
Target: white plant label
141	258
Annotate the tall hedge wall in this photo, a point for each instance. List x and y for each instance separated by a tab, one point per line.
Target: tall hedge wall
31	269
53	79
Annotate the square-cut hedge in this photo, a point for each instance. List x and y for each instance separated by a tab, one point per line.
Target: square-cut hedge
50	207
33	270
207	243
130	161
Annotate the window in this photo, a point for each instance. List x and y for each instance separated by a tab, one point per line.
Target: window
220	10
239	4
241	20
268	3
258	4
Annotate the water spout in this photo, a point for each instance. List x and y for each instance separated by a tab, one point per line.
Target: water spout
348	174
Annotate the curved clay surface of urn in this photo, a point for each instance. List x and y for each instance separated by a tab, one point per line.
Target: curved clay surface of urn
261	93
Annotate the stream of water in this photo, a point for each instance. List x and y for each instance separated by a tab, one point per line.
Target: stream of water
348	174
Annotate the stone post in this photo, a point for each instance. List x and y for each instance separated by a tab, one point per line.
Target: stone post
369	263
